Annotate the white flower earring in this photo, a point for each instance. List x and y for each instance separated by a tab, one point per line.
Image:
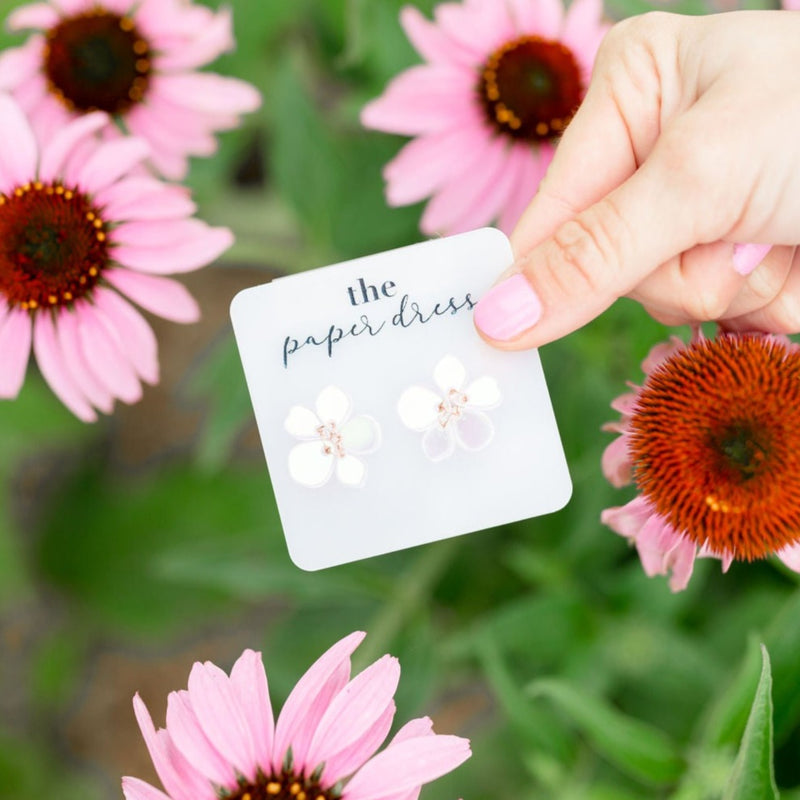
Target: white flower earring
331	440
454	415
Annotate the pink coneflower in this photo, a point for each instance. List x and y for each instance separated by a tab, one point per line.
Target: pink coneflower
80	226
221	739
502	80
134	59
712	440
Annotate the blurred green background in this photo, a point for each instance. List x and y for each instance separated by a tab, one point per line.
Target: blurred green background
133	547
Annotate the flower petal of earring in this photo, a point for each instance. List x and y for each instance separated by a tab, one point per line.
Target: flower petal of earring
331	441
454	416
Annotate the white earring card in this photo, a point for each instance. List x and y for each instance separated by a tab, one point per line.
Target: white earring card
386	421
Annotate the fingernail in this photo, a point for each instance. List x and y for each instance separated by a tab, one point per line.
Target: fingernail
746	257
508	309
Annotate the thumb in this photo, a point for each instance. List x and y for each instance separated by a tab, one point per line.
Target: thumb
603	252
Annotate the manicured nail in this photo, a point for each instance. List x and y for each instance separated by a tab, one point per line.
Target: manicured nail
508	309
746	257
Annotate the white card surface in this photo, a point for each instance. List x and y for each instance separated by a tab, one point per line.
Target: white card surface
386	421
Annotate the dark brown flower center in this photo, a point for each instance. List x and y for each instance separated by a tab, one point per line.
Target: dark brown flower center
715	444
286	786
530	88
97	61
53	246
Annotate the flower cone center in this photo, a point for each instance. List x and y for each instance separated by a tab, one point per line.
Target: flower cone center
286	786
97	61
715	444
53	246
530	88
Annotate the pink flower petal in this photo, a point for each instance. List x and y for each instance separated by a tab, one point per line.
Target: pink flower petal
135	336
459	196
178	777
19	151
158	233
220	714
310	699
581	24
680	561
186	732
427	162
110	162
19	64
249	681
354	710
616	464
208	92
431	42
628	520
106	358
15	345
215	39
339	765
423	99
33	15
141	198
625	403
407	765
76	365
60	147
135	789
161	296
479	27
422	726
543	17
529	173
790	556
660	353
654	543
184	257
51	364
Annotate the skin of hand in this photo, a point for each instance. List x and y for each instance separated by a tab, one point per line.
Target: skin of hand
688	141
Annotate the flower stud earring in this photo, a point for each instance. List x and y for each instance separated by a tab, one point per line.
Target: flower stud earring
453	416
331	440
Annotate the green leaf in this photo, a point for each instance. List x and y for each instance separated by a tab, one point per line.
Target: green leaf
634	747
753	776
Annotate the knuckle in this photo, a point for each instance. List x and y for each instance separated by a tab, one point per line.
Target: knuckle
783	314
590	244
705	305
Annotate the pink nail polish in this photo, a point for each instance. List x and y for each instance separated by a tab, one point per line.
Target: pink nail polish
746	257
508	309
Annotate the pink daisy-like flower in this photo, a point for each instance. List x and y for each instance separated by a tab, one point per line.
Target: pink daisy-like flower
221	739
134	59
502	80
712	439
81	226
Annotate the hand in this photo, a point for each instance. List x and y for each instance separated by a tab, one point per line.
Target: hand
688	141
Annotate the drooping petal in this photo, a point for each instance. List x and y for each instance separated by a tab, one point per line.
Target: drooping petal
407	765
354	711
15	345
332	405
790	556
660	353
309	700
161	296
222	718
483	393
361	434
51	364
418	408
474	430
628	520
310	465
439	443
351	471
616	463
135	789
249	681
302	422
